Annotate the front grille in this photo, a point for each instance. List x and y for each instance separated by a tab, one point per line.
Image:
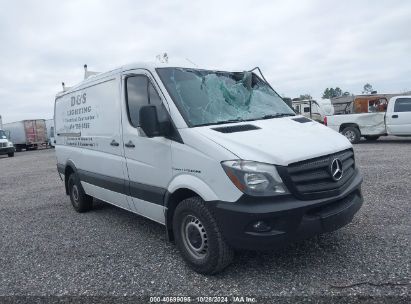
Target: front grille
311	179
3	145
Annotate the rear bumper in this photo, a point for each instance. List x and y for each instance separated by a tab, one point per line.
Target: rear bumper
290	219
7	150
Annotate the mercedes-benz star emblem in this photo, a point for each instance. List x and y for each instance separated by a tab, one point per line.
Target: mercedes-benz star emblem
336	169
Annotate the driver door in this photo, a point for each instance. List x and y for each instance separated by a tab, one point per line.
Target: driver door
148	159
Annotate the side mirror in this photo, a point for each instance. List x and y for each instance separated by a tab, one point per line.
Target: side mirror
149	122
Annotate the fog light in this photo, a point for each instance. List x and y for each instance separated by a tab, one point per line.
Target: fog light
261	226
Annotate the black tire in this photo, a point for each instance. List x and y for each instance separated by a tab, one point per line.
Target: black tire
371	137
199	238
79	199
11	154
352	134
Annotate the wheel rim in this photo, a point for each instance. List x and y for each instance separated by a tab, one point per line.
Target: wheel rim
75	194
350	135
194	237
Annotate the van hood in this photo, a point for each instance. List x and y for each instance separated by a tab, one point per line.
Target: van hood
279	141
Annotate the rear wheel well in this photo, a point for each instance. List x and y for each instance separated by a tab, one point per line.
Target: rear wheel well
67	172
172	202
345	125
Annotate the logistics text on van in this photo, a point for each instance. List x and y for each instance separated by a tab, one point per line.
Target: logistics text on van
79	99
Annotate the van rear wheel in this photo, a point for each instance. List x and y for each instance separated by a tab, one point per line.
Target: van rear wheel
79	199
199	238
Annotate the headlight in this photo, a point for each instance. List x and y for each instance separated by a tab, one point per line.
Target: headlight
9	144
254	178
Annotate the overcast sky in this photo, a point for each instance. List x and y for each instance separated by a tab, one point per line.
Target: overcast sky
301	46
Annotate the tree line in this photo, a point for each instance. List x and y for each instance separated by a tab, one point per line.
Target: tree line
337	92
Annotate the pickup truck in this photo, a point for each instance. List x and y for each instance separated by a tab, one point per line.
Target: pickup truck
396	120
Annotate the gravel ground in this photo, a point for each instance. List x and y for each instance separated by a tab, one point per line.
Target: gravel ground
49	249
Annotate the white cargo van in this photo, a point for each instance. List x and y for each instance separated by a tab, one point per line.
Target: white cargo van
216	157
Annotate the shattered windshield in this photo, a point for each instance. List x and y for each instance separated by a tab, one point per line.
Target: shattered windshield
209	97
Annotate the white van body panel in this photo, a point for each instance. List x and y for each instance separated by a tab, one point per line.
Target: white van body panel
197	166
89	120
275	142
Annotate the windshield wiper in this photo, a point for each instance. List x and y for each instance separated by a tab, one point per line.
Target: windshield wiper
277	115
220	122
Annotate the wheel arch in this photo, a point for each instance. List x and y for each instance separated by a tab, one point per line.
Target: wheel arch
171	202
69	168
181	187
350	124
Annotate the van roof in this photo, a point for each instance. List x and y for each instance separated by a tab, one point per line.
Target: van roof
151	66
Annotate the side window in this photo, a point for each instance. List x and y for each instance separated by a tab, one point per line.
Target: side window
154	99
402	105
137	96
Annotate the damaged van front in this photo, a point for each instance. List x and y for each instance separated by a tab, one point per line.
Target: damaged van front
216	157
280	177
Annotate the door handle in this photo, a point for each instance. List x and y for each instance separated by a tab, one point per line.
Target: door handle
129	144
394	116
114	143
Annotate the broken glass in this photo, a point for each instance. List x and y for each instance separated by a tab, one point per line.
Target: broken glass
206	97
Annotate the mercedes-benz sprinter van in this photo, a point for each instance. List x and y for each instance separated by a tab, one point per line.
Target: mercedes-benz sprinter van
216	157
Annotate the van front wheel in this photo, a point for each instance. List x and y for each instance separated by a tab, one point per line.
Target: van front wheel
199	238
79	199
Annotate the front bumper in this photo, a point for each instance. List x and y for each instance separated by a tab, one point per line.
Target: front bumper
290	219
7	150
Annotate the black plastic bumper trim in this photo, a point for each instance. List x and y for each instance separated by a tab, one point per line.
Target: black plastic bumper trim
7	150
290	219
144	192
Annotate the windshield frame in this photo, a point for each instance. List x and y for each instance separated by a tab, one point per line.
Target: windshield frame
183	114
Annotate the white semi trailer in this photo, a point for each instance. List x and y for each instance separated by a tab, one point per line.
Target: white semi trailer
27	134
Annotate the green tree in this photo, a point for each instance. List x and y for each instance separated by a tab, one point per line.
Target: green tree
331	92
305	96
367	88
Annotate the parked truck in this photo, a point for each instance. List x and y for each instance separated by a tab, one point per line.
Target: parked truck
374	117
6	146
50	132
27	134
